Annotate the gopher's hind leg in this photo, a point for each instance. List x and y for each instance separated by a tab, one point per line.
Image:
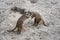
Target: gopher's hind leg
44	23
19	30
38	20
35	22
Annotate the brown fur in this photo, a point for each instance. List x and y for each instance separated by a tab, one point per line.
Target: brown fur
19	24
37	18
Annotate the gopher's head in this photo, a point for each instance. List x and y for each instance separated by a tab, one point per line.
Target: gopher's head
28	13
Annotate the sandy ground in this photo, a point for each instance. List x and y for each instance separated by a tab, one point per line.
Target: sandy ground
49	10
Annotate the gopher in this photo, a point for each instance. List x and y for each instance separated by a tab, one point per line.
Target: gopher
19	24
37	17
